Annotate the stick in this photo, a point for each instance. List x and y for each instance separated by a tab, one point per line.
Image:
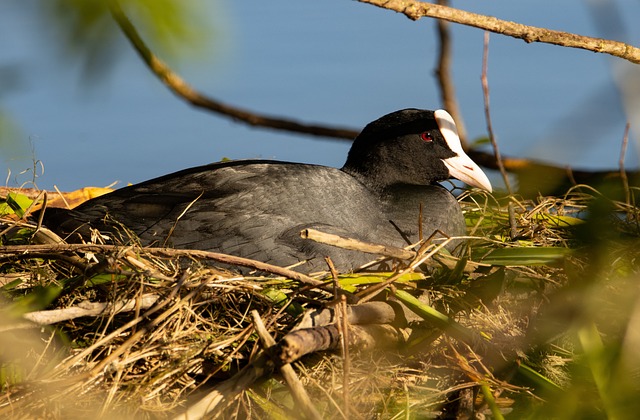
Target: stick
414	10
487	112
356	245
293	382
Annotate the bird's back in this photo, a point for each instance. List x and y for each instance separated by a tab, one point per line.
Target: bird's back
256	209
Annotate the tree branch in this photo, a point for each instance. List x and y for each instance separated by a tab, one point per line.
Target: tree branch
414	10
183	90
445	78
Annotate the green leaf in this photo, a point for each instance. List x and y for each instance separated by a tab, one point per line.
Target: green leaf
491	402
521	256
347	280
436	317
104	278
558	221
86	31
36	300
538	379
15	203
480	141
272	410
12	284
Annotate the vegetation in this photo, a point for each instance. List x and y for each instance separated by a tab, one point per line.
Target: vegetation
537	321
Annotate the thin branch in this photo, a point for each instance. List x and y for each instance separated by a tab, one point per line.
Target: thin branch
343	322
356	245
487	112
163	252
444	76
183	90
296	388
623	172
415	9
91	309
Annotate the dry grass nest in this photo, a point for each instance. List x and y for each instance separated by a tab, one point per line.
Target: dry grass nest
541	304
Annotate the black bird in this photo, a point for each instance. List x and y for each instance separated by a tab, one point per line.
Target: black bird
257	208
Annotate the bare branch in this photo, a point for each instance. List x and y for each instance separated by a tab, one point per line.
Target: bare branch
354	244
300	395
487	112
623	172
415	9
183	90
445	81
91	309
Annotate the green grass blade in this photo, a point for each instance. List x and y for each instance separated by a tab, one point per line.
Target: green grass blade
521	256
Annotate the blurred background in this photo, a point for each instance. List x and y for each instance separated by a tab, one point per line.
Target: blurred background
78	107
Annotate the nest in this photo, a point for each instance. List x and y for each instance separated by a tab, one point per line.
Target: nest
106	330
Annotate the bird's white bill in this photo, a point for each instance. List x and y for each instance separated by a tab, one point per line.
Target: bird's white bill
461	166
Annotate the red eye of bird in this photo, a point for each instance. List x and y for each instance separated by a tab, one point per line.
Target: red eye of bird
426	136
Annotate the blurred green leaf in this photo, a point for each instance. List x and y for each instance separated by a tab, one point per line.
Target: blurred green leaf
11	285
12	141
521	256
14	203
356	279
270	408
87	31
491	402
480	141
538	379
558	221
39	298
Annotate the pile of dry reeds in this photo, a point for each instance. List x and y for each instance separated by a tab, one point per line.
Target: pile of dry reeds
95	329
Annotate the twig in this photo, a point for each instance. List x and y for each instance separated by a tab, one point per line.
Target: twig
377	312
165	252
298	392
487	112
415	9
183	90
175	223
334	276
356	245
343	323
513	231
443	73
623	173
361	337
92	309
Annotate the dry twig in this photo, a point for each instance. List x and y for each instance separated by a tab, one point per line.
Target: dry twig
295	385
487	112
444	75
415	9
623	172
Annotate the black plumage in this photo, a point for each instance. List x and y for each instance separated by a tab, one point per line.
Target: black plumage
256	208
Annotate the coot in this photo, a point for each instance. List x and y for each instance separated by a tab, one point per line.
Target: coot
257	208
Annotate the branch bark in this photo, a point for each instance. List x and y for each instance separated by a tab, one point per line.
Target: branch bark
414	10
